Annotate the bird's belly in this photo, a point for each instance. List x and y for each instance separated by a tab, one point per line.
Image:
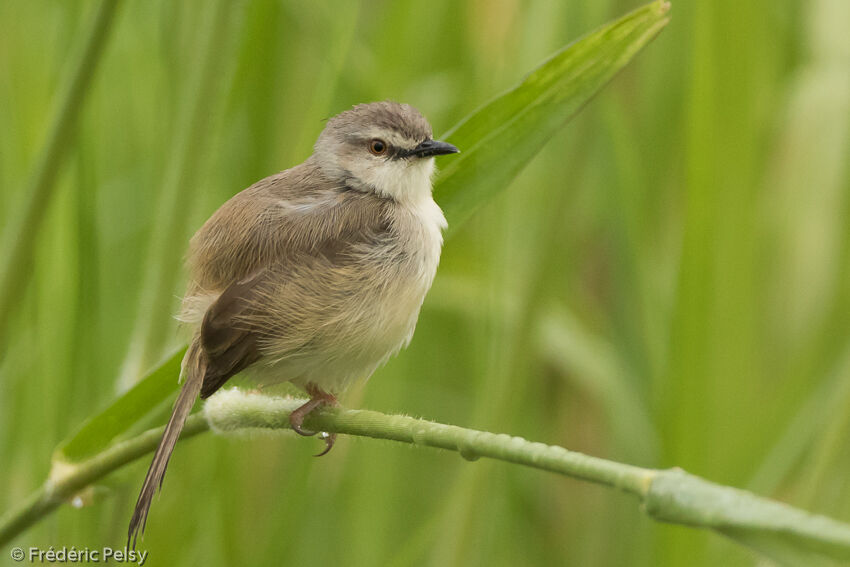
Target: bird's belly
365	316
360	331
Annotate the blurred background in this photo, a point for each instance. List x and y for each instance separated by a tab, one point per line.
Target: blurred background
666	284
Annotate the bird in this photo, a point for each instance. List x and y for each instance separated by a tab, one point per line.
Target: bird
315	275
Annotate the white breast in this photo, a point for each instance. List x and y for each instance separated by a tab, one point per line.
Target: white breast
427	223
382	317
416	255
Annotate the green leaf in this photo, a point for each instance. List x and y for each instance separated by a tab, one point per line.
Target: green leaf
100	431
496	142
500	138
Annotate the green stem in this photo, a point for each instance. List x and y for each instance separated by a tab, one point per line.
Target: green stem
234	411
666	495
16	265
66	479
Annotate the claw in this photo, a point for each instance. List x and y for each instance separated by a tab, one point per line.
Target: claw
329	439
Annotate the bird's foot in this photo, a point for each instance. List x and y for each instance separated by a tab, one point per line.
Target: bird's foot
318	398
296	418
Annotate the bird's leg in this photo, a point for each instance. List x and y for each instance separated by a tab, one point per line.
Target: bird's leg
318	398
296	418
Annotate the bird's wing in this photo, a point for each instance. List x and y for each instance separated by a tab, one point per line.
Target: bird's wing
229	347
296	211
270	248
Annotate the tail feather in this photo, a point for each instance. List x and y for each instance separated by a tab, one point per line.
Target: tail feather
193	371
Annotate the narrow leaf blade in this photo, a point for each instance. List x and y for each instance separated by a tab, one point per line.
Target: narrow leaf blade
500	138
100	430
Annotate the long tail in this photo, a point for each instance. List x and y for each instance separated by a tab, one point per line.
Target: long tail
193	370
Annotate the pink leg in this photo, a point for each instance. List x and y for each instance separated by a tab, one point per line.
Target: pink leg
318	398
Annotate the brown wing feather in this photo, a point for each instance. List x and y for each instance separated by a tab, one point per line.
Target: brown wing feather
230	347
263	225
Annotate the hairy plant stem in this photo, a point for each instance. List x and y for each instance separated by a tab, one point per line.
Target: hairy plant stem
666	495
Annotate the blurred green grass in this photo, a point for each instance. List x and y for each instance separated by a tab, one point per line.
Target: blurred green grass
666	284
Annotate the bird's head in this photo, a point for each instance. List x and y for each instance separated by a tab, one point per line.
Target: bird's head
383	147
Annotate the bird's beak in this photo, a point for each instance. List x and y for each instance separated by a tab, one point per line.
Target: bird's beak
430	148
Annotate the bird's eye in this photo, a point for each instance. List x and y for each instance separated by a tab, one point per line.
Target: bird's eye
378	147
